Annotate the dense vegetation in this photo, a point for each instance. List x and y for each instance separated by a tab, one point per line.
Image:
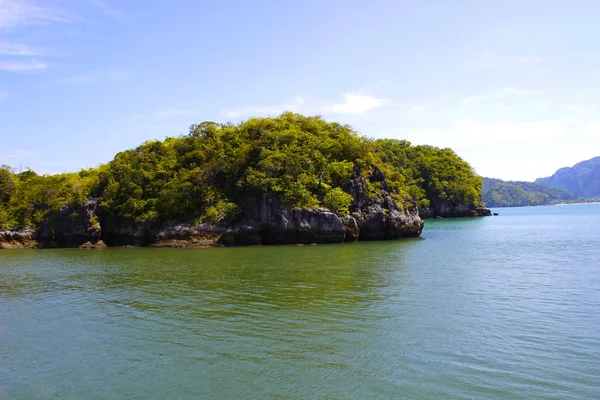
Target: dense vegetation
207	174
498	193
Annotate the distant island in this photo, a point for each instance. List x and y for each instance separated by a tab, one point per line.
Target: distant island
290	179
580	183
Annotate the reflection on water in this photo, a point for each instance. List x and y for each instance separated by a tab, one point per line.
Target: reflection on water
501	307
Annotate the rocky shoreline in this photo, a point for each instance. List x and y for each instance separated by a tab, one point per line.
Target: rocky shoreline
262	221
276	225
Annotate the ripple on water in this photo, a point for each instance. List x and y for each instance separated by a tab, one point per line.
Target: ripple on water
502	307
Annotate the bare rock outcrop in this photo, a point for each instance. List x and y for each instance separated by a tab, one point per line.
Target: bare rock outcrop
447	209
18	238
72	226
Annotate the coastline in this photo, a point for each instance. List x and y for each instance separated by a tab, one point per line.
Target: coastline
577	204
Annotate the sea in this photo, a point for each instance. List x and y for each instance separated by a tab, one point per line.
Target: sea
500	307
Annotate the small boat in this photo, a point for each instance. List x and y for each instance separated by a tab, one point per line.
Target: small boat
495	213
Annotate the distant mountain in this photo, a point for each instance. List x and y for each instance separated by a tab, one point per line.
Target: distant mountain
499	193
583	179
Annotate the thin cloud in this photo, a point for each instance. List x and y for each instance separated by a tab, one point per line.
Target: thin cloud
109	10
21	13
93	77
497	95
416	108
492	60
295	105
351	103
159	119
3	95
22	66
20	154
18	49
172	112
579	111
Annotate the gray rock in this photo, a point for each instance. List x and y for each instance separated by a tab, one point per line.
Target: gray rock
379	219
446	209
351	227
89	245
72	227
281	225
18	238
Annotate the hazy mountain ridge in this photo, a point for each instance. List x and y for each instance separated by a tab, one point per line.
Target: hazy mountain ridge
582	179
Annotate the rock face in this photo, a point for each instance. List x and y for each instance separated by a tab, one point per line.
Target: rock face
446	209
73	226
281	225
264	221
381	219
269	222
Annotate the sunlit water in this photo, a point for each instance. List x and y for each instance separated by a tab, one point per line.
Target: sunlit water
497	307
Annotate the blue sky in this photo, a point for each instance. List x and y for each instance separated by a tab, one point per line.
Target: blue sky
512	86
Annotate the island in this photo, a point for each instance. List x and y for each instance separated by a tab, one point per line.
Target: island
292	179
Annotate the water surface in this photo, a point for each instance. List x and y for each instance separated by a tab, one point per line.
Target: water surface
499	307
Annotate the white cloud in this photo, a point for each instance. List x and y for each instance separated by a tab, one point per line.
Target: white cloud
521	132
492	60
22	66
497	95
93	77
351	103
357	104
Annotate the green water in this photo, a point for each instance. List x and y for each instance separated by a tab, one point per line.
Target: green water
500	307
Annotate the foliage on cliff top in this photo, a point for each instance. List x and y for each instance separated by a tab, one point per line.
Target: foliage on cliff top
205	175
